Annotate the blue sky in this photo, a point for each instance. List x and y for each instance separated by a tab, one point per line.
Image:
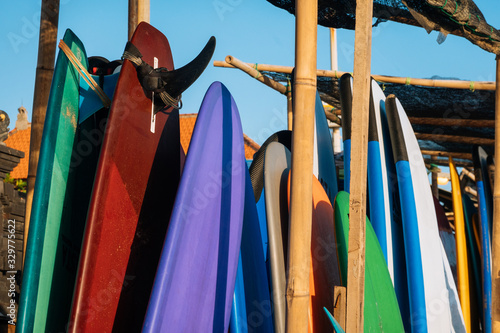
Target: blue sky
253	31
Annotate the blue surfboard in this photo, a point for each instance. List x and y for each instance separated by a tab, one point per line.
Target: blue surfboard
251	309
430	281
485	216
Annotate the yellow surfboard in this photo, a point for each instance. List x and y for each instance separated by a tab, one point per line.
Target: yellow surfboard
462	263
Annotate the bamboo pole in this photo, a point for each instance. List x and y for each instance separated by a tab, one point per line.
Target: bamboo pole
452	122
299	252
455	138
138	11
143	11
455	84
359	152
253	72
469	174
495	236
462	156
334	63
444	162
268	82
49	20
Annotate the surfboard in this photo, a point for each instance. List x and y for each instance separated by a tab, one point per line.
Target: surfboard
257	177
484	196
461	246
133	193
400	279
345	84
475	264
324	271
276	163
68	160
379	206
197	269
336	326
323	159
106	74
251	309
429	277
447	237
381	310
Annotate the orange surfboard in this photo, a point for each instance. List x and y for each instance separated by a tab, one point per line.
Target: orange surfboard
325	273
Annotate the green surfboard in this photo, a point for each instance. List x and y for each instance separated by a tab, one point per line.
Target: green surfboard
68	158
381	309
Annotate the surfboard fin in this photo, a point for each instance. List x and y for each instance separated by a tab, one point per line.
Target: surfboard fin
168	85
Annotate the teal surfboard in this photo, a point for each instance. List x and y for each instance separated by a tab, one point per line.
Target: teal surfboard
68	159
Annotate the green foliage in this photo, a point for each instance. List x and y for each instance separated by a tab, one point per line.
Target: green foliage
19	184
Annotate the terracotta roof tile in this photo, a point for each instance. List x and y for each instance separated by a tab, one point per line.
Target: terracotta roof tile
187	122
20	140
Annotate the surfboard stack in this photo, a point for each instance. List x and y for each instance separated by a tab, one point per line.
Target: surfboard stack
131	233
437	289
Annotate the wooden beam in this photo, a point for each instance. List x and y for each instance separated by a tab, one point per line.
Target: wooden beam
299	251
462	156
455	139
359	152
455	84
452	122
495	238
444	162
49	20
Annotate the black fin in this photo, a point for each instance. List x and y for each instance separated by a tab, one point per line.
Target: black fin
178	80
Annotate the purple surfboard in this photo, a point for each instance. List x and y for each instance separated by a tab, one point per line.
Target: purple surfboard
197	268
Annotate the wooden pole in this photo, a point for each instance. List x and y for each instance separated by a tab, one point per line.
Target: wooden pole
49	20
495	235
132	17
143	11
359	152
452	122
334	63
444	162
434	184
455	84
462	156
253	72
299	252
289	110
138	11
455	138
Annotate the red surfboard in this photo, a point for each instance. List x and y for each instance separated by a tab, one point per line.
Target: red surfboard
134	191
